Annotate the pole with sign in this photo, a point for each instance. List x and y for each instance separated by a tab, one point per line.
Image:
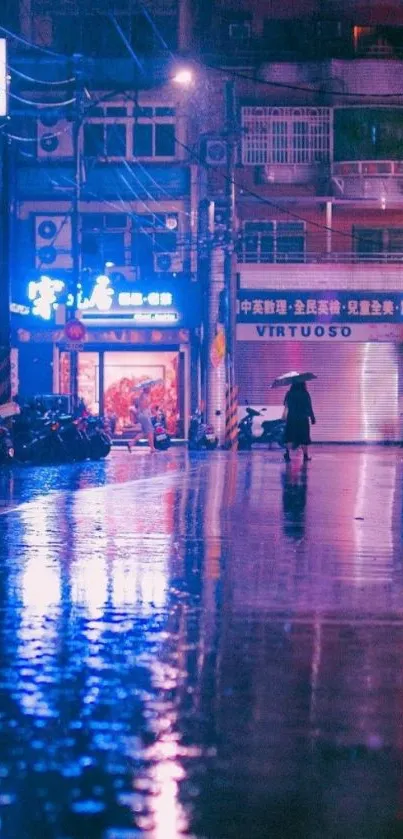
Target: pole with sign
75	215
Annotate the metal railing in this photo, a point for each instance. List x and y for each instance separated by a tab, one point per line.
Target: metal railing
367	168
261	257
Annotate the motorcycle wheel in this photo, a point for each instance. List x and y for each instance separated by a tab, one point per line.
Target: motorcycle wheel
54	451
162	445
244	445
80	449
22	447
100	446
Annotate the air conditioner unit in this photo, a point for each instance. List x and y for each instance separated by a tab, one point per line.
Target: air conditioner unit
123	273
55	136
216	152
53	242
168	263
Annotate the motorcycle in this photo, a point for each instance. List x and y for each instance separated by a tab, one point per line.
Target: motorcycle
6	445
201	435
7	412
41	442
98	441
162	439
272	430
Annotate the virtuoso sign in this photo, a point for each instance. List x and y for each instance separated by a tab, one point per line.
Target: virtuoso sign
358	332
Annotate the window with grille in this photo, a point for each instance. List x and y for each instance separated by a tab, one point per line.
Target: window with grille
272	241
285	135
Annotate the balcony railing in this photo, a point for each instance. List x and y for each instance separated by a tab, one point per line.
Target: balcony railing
368	168
262	257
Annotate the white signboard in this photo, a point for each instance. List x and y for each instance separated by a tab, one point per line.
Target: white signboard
3	77
359	332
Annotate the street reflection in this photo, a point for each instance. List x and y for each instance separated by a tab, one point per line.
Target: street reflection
295	484
209	649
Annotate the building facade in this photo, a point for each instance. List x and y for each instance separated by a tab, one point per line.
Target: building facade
319	193
104	217
316	224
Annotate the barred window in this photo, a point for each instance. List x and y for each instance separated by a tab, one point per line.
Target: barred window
285	135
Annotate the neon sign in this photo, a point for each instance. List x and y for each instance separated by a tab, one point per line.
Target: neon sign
136	298
102	295
46	294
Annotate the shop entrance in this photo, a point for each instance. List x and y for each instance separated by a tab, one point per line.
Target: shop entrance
357	396
107	380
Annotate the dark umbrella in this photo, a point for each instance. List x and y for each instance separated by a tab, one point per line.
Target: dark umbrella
289	378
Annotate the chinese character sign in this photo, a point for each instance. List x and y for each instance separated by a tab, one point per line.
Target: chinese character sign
318	307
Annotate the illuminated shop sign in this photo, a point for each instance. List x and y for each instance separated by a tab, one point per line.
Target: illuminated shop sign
44	295
104	302
318	307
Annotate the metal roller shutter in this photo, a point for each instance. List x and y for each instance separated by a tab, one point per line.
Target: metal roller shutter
356	396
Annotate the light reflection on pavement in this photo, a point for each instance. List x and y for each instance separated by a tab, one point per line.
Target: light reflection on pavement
204	647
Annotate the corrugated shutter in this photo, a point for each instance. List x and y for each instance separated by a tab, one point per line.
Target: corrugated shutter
356	396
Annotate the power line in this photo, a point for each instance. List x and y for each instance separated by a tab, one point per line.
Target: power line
300	88
59	83
46	105
126	43
264	200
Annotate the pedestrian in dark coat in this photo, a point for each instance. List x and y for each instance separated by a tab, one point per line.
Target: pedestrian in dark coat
299	416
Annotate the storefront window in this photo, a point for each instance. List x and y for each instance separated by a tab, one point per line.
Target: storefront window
88	378
124	371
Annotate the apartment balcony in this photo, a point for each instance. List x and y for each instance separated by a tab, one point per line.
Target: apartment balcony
379	180
261	256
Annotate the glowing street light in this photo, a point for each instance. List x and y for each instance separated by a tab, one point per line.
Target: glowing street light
184	77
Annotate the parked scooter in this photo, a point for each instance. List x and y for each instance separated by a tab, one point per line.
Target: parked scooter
50	436
162	439
201	435
6	445
97	440
272	430
7	412
245	429
41	442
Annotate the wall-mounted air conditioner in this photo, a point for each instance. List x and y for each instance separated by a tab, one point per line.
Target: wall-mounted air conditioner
55	136
53	242
168	263
216	152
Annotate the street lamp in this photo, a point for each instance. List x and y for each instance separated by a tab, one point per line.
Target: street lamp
184	77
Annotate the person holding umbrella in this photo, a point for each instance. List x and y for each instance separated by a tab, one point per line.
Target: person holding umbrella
142	408
298	412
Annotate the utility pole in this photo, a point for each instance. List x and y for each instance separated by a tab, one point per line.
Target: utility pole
75	222
5	272
229	272
221	320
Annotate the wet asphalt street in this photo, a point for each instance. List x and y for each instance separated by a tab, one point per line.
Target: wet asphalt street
206	647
